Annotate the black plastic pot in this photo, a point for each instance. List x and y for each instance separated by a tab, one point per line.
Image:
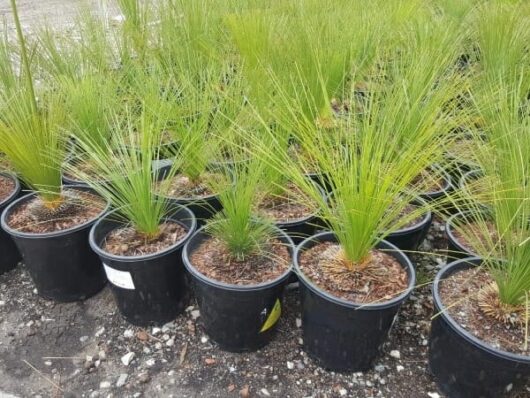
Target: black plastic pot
463	365
60	263
9	254
203	208
467	177
455	250
341	335
302	228
238	318
440	193
410	238
149	289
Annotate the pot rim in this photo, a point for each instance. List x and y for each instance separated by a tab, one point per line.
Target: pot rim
15	191
229	286
303	220
409	268
416	227
449	225
444	273
469	174
53	234
134	259
447	181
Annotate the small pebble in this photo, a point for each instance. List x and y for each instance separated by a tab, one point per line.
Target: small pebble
150	362
265	392
127	358
104	384
128	334
290	365
395	354
82	339
122	380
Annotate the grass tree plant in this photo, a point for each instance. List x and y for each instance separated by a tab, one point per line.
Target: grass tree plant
500	218
31	132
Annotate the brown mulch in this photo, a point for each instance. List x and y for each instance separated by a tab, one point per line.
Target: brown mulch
83	208
459	294
84	166
213	260
415	221
285	207
428	182
7	186
382	278
127	241
470	234
181	186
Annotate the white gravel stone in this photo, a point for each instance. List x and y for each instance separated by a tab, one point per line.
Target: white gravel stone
104	384
150	362
195	314
156	331
122	380
298	323
433	395
395	354
290	365
400	368
204	339
82	339
343	392
100	331
170	342
128	334
127	358
265	392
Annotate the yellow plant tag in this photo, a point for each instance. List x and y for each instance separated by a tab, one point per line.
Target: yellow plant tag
273	316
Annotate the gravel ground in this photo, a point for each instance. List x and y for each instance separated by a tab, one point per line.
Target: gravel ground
88	350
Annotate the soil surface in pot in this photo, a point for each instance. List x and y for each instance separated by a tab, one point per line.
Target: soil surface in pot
285	207
472	237
127	241
429	181
7	186
83	167
470	298
407	210
77	208
181	186
213	259
381	278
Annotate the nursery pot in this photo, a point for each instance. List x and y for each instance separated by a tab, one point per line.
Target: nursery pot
431	196
410	238
9	254
341	335
237	317
455	249
148	289
203	208
302	228
463	365
60	263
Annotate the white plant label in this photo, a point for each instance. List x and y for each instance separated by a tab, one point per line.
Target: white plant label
121	279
